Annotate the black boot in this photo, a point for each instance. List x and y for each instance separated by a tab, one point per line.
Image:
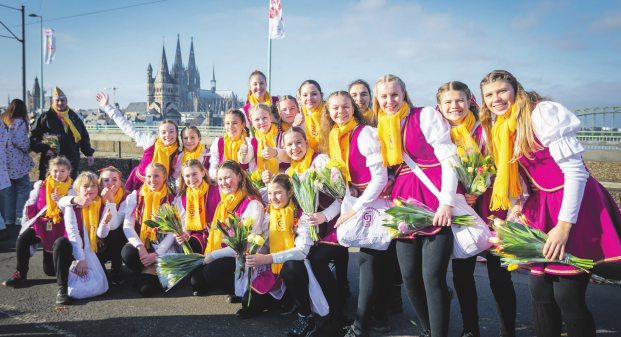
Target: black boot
396	301
303	327
232	298
547	319
151	285
16	279
62	296
583	327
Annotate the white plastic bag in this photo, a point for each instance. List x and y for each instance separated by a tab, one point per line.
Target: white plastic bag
94	283
319	304
364	229
469	240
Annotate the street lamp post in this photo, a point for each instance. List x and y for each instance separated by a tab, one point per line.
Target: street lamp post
113	95
41	32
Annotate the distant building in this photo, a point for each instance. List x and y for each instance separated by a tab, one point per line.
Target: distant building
34	99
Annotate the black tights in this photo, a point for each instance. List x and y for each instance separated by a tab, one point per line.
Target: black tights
114	243
22	249
219	274
375	286
424	263
319	259
131	257
502	288
63	257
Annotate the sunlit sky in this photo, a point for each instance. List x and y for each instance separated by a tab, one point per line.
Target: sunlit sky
567	50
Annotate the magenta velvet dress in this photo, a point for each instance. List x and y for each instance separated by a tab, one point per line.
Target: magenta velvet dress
40	225
137	176
211	202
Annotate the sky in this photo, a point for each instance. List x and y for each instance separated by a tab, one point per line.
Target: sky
567	50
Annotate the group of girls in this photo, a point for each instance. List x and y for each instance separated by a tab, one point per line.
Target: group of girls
540	175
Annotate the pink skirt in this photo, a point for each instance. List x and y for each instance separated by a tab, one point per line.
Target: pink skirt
330	232
133	183
595	235
265	282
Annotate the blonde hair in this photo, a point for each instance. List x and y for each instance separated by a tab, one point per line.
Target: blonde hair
168	121
327	123
266	107
190	163
58	161
387	79
525	142
85	178
462	87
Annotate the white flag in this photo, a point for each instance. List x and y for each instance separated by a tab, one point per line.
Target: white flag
49	45
277	27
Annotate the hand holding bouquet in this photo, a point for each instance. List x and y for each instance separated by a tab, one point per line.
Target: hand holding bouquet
306	194
235	234
517	243
330	180
411	216
166	219
172	268
51	141
474	171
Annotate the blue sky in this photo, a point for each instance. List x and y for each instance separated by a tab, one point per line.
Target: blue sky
568	50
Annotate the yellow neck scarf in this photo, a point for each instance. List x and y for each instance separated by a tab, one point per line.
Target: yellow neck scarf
281	231
284	126
195	207
151	202
507	184
339	145
231	146
389	132
68	122
227	204
368	114
90	216
313	123
162	154
267	99
263	140
117	197
51	186
461	133
187	155
302	165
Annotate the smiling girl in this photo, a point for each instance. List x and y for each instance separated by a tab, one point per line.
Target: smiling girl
196	202
424	136
458	107
257	92
312	108
360	91
538	137
192	149
162	149
49	225
290	114
238	196
355	145
268	142
145	245
235	145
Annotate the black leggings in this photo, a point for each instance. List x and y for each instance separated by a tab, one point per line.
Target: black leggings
295	277
424	262
114	243
22	249
568	292
131	257
375	286
63	257
502	288
219	274
319	259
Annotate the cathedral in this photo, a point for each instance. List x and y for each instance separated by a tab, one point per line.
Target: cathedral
34	99
172	92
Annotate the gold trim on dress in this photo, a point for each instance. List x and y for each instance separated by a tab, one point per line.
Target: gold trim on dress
536	185
330	243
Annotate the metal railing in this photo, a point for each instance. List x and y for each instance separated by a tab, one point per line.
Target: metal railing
206	131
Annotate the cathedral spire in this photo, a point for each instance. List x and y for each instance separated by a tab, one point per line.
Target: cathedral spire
178	65
192	62
162	73
213	79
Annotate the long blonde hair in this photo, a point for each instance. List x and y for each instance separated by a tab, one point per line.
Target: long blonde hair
525	142
387	79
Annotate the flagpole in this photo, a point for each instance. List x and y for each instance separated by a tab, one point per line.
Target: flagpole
269	67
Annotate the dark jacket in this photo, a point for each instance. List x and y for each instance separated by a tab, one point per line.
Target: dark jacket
50	123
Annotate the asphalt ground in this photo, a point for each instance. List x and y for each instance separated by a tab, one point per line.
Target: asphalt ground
30	310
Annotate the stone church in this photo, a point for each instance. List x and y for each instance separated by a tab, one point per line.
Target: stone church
34	99
171	93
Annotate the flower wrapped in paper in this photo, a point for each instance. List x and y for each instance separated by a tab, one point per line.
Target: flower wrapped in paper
473	170
330	180
166	219
171	268
305	191
51	141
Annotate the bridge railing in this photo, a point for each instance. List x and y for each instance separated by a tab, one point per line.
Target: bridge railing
206	131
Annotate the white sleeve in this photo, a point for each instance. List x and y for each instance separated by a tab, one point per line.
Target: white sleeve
249	156
437	132
303	244
130	220
32	199
179	204
73	233
264	195
214	159
332	211
144	140
224	252
576	177
177	170
165	244
449	182
104	229
371	148
255	211
71	193
65	202
120	215
556	128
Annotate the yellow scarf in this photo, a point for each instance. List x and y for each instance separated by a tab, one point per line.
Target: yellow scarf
53	212
151	202
302	165
90	216
461	133
313	123
162	154
507	184
68	122
231	146
368	114
339	145
284	126
267	99
117	197
227	204
389	132
263	140
281	231
195	207
187	155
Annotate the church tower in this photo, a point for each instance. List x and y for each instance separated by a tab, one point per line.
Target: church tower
179	75
213	80
194	78
165	88
150	88
34	98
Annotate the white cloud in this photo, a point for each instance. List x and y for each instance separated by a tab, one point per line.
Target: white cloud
608	22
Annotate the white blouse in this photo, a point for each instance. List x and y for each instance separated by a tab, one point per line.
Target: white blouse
370	147
303	243
167	245
255	211
556	128
73	232
117	217
177	172
214	160
32	199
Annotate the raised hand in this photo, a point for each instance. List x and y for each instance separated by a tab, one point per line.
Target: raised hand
55	196
107	217
243	149
108	194
81	201
268	153
299	119
266	175
102	99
